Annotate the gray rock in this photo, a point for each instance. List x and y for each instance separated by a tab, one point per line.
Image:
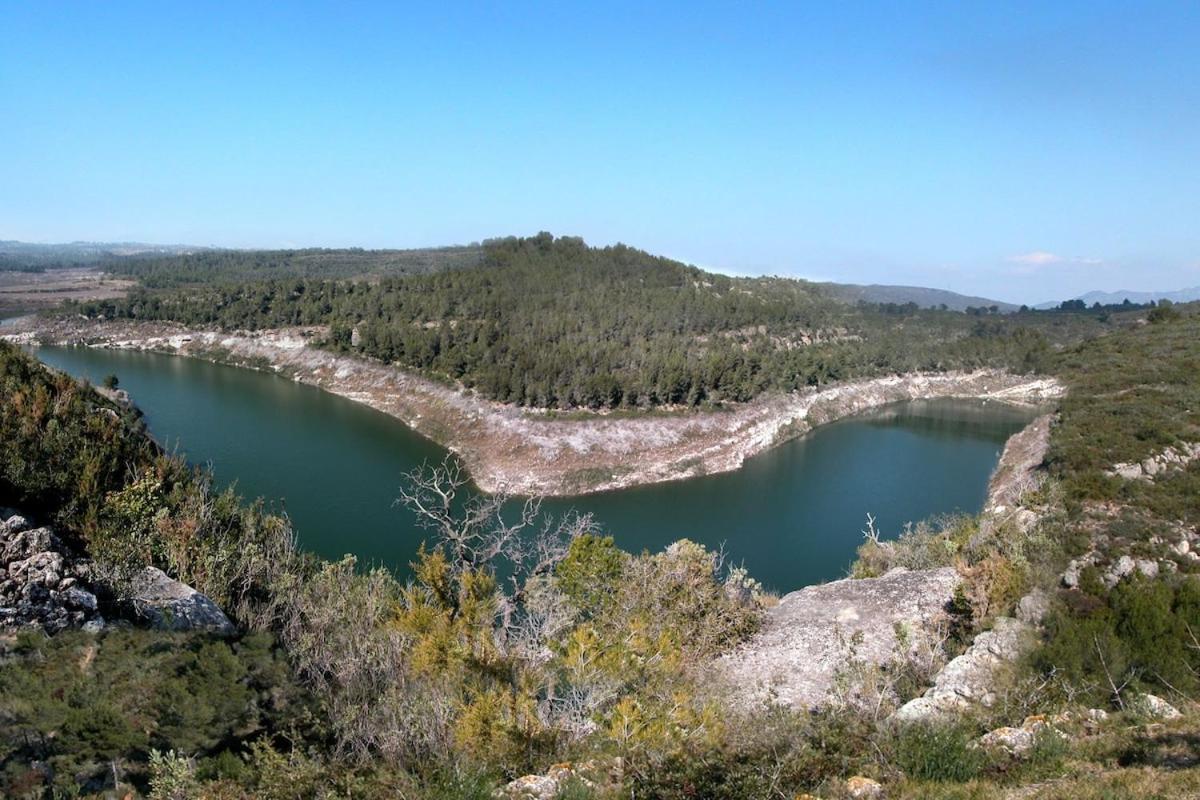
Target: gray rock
80	598
1155	707
1033	607
40	580
16	523
795	656
1125	565
861	788
541	787
1018	741
167	604
970	678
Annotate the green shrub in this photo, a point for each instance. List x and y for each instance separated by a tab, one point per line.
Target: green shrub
937	752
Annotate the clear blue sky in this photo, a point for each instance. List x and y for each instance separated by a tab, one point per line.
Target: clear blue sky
1023	151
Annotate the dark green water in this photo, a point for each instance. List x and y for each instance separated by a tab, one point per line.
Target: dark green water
793	515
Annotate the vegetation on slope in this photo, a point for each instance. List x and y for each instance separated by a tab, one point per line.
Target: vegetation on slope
509	651
548	322
207	267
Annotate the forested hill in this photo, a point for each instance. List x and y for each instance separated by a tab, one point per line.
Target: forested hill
551	322
164	271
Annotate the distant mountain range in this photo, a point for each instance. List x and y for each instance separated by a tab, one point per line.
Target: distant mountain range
922	296
1118	297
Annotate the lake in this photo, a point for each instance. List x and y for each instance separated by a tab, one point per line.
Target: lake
792	515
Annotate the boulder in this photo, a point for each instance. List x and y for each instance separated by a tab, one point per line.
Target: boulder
1125	565
860	788
1018	469
1017	742
1033	607
1154	707
804	641
167	604
970	678
542	787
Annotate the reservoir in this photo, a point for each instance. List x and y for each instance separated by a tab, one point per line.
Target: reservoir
792	515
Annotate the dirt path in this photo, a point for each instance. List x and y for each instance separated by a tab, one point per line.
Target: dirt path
534	452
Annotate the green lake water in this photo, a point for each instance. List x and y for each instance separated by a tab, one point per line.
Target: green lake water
792	515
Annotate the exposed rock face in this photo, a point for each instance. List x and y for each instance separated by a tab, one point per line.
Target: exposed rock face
795	657
1018	469
43	583
969	678
164	603
1172	459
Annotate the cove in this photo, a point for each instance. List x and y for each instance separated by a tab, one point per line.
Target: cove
791	515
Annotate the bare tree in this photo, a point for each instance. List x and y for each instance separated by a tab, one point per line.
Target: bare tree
497	531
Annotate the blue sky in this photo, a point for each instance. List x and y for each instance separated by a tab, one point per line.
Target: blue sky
1023	151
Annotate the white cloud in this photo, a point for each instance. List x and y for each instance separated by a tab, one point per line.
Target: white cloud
1037	258
1030	263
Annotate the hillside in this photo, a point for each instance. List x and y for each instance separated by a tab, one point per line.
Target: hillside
552	323
339	681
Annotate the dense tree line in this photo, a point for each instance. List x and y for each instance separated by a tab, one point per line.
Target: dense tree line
554	323
207	267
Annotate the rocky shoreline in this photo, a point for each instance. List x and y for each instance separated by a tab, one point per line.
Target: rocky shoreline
808	641
536	452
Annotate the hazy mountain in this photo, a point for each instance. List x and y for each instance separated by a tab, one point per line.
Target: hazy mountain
922	296
1114	298
17	255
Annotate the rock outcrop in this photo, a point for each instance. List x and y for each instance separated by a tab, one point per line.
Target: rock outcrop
1018	470
46	584
970	678
43	583
162	602
1172	459
804	642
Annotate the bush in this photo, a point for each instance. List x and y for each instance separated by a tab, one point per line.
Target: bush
936	752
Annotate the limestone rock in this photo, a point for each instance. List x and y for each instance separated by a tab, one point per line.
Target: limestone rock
860	788
1033	607
969	678
165	603
1155	707
1125	565
541	787
1168	460
1074	570
1017	470
794	657
1018	742
42	581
